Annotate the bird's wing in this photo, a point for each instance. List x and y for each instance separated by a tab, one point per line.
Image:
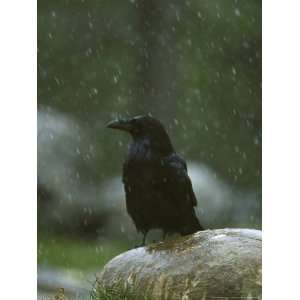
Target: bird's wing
178	183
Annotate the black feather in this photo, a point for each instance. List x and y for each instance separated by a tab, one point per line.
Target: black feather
159	193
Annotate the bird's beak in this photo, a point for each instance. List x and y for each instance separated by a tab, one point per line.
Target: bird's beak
120	124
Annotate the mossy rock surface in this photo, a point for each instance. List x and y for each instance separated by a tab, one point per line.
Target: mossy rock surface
211	264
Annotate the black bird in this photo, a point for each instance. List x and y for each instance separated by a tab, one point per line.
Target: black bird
159	193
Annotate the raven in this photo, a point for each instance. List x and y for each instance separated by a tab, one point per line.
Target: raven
159	193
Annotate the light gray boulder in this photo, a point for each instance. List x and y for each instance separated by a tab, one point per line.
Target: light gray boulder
211	264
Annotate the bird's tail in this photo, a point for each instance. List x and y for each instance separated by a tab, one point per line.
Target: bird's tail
192	225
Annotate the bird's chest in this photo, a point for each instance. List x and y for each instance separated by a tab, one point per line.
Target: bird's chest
142	170
141	174
142	183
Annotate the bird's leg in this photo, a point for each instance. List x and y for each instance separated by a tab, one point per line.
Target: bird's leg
165	233
144	238
143	241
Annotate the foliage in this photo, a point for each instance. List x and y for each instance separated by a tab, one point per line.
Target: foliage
195	64
117	293
77	254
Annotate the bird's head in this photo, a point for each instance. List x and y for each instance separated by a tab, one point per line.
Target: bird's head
145	127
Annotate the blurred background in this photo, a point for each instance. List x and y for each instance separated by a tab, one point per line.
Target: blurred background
195	65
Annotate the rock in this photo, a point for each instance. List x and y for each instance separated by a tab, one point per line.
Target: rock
212	264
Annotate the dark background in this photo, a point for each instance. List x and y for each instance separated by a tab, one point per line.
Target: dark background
195	65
